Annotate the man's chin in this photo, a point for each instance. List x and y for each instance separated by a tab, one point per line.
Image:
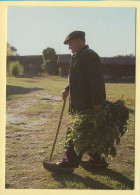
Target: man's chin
73	52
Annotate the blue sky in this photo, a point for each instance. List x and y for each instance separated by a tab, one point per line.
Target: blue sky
109	31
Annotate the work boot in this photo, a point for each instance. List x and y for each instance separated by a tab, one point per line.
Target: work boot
58	167
96	162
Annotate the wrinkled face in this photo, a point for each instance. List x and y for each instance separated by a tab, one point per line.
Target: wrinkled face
74	45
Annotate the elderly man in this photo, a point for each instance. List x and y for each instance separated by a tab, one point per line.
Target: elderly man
86	90
86	84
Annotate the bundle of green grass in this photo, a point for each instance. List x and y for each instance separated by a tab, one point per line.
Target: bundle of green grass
92	131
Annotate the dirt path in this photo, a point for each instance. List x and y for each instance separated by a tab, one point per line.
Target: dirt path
29	139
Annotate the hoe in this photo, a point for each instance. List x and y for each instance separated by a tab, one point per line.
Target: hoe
48	165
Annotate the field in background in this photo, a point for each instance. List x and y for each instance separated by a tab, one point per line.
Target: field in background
33	111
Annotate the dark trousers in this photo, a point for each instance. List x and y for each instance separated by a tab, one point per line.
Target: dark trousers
71	159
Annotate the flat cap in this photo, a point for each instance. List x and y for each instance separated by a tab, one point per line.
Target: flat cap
74	35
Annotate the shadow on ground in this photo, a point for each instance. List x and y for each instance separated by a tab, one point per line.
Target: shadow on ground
113	175
73	179
88	182
11	90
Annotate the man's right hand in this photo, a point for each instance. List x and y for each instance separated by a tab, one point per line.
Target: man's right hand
65	93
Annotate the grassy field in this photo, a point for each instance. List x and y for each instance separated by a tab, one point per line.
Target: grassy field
33	111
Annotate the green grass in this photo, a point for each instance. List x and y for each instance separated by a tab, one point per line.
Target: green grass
33	112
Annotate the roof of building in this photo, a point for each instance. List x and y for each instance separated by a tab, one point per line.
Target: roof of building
118	60
65	59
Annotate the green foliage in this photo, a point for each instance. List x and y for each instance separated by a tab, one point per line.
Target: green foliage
11	51
15	68
100	131
50	62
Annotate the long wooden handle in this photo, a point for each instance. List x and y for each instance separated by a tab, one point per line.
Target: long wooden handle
58	128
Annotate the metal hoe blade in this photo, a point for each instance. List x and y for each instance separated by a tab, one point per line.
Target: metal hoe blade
59	124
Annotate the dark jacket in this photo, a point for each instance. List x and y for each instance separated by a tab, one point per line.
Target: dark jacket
86	81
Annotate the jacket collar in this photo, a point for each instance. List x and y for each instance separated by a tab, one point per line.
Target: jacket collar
80	51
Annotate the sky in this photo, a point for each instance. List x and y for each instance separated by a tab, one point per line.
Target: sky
109	31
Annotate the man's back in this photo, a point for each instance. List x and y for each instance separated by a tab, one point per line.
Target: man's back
86	80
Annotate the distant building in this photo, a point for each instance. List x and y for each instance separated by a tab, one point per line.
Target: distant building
114	68
118	68
31	64
64	64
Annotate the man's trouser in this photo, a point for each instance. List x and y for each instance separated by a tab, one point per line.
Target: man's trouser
71	159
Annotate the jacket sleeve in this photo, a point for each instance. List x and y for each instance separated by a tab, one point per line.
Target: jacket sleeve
95	79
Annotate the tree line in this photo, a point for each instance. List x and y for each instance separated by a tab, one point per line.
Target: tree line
49	56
